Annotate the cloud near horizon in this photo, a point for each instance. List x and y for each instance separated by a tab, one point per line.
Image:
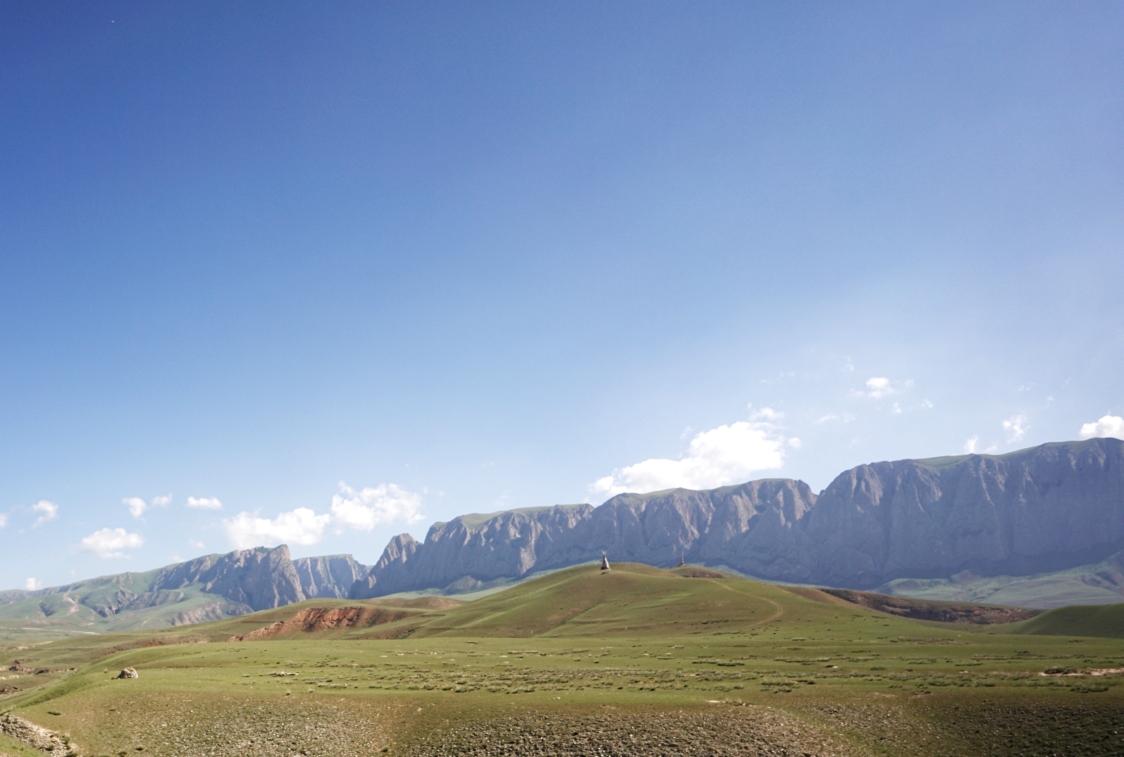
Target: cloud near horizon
1016	427
718	457
372	506
360	510
1108	426
111	542
301	526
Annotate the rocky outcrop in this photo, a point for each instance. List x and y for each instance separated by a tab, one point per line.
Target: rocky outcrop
759	521
261	578
36	737
331	576
1045	508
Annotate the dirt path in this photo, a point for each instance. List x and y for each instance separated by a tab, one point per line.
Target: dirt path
776	605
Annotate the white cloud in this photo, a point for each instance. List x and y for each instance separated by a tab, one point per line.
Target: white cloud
1108	425
371	506
972	444
204	503
721	456
1016	427
196	544
49	511
136	506
32	584
111	542
300	526
878	387
3	519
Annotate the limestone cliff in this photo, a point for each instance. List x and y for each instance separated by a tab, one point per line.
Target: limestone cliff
1045	508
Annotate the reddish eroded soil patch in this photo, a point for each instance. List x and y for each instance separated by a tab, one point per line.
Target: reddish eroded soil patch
944	612
325	619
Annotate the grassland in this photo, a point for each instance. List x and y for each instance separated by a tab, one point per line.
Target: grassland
630	662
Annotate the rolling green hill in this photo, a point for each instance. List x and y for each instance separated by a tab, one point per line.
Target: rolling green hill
636	660
1106	621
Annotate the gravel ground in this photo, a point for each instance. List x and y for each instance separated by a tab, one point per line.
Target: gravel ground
164	725
989	728
743	731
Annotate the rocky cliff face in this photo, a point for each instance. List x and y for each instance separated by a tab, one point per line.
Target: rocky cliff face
331	576
261	578
1050	507
1047	508
759	520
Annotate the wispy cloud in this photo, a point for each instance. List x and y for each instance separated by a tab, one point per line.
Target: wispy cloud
879	387
32	584
833	417
111	542
720	456
1107	426
204	503
972	444
3	519
1016	427
48	511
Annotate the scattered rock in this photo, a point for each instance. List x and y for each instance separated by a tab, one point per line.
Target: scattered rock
128	673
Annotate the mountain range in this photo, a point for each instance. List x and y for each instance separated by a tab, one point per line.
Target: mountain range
922	526
1047	508
206	588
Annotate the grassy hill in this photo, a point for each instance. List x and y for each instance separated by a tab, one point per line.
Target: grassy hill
1104	621
632	661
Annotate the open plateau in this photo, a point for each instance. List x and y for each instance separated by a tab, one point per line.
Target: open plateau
954	606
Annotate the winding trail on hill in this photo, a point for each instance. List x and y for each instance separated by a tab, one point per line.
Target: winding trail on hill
776	605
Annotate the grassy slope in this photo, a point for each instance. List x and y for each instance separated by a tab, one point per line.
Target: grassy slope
637	640
1105	621
75	611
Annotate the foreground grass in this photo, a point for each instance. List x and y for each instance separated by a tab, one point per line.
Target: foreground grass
640	662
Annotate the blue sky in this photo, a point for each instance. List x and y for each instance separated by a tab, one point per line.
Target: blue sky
333	272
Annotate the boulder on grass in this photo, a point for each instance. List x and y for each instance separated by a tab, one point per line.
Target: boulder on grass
128	673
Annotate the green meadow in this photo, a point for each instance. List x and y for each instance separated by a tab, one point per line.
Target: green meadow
635	660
